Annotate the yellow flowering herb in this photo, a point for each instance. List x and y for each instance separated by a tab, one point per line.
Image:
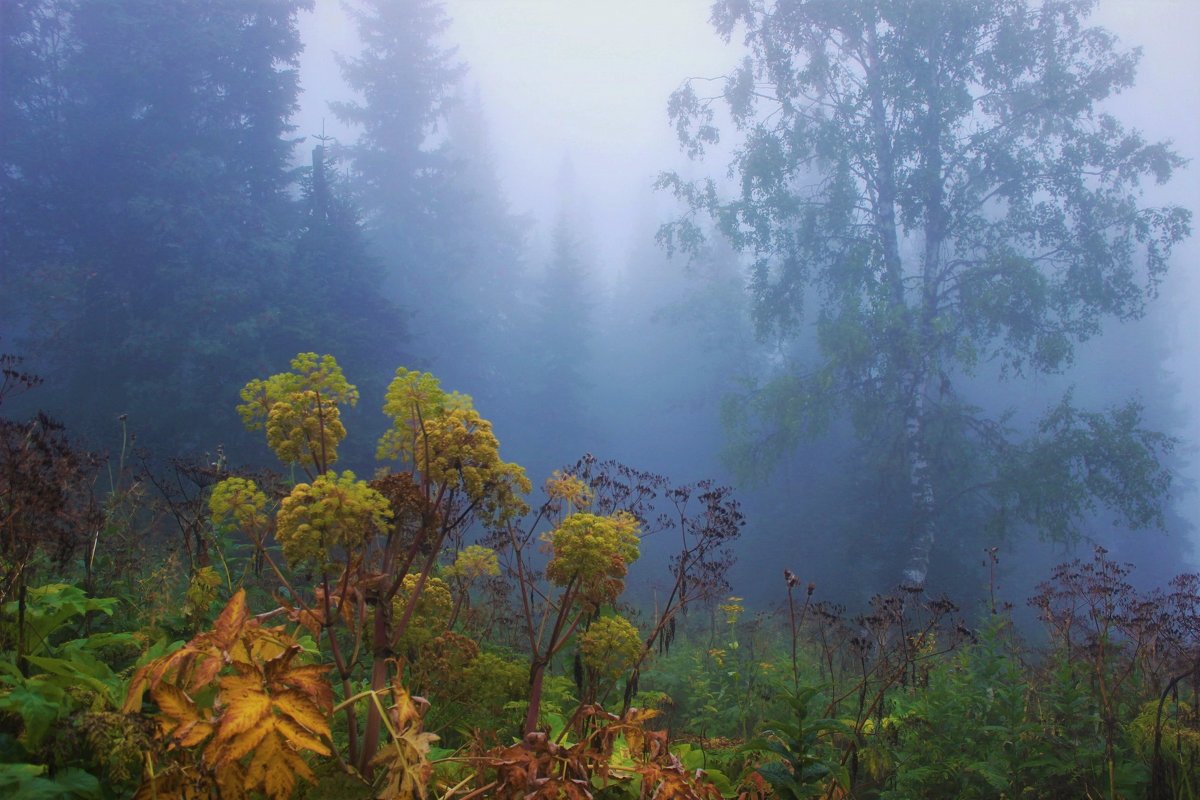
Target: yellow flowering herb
332	512
473	562
566	488
431	615
238	502
201	592
611	646
595	552
732	609
459	449
299	409
412	399
305	429
309	372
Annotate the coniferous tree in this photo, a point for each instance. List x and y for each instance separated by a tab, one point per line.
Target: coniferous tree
153	248
432	203
405	79
473	306
333	259
161	214
559	364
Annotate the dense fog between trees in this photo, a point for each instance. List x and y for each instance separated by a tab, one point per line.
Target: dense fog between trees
594	219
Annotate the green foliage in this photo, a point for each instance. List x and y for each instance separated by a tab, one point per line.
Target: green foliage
805	767
1079	461
1072	756
495	685
1176	724
937	185
30	782
64	697
968	733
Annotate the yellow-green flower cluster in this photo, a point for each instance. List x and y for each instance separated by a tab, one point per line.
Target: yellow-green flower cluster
474	561
732	609
299	409
431	615
238	502
611	647
566	488
595	552
413	398
305	429
442	436
459	449
332	512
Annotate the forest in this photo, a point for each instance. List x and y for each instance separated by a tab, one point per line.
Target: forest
862	474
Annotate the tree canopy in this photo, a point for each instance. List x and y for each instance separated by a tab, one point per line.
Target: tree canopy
939	186
155	245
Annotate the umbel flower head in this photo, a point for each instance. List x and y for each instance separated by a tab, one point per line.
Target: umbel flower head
299	409
473	562
610	646
330	513
563	488
594	553
238	502
445	439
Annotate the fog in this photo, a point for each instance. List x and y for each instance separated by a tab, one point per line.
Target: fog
584	82
544	295
587	84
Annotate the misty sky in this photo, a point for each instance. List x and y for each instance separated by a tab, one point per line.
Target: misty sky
588	80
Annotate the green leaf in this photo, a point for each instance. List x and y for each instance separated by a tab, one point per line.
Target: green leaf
26	782
38	704
83	669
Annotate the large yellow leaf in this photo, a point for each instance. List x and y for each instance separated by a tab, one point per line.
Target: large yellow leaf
244	708
310	680
228	627
271	771
193	733
277	666
204	671
174	703
138	685
228	750
268	647
300	708
249	678
295	763
173	783
231	781
300	737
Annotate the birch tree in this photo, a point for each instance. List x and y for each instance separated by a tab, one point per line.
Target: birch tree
937	184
